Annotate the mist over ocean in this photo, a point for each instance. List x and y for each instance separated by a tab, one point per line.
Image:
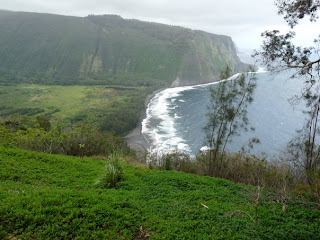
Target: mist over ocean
176	117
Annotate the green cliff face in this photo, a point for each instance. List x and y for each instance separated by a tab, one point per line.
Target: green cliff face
53	49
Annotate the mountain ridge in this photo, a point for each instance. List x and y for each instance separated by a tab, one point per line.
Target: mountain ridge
108	49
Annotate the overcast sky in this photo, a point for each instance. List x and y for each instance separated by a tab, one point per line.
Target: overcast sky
242	20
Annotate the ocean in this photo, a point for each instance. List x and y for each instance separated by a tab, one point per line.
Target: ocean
176	117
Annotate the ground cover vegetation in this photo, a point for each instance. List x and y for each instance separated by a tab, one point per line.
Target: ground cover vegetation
107	108
275	174
77	139
46	196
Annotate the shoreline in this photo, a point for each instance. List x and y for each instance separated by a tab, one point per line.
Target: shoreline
135	140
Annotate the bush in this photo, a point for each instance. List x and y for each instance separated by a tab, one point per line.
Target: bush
237	167
37	134
176	160
113	172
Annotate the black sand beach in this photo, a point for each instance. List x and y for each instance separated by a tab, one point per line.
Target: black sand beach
135	139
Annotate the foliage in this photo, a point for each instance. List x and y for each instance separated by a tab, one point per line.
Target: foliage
124	116
294	10
95	50
279	54
250	169
113	172
78	140
109	108
237	167
177	161
227	114
308	193
54	197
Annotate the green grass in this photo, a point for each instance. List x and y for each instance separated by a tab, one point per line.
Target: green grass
73	103
113	172
54	197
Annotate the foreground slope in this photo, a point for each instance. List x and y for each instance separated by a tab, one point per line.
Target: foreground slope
54	197
54	49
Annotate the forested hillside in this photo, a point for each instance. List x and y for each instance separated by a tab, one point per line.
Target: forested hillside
54	49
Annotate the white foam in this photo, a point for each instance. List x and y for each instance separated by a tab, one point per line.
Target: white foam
176	116
204	149
261	70
164	138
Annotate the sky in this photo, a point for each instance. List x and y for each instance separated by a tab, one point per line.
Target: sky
243	20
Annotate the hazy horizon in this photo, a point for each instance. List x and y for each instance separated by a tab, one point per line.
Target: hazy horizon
243	21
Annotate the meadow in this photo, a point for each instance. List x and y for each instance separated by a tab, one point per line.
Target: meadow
101	106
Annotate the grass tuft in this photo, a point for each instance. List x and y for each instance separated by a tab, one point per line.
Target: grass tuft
113	172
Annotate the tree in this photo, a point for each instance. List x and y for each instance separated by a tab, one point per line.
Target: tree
227	115
279	54
293	10
44	122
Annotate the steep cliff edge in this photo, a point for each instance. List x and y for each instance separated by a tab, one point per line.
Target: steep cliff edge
107	49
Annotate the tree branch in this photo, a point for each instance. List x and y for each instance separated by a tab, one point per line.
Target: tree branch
308	65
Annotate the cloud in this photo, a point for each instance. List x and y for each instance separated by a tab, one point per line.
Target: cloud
242	20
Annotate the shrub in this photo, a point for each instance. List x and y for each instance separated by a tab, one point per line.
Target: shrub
237	167
113	172
176	160
77	140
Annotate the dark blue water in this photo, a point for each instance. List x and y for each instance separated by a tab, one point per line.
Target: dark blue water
176	117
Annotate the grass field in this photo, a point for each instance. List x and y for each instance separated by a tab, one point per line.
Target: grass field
73	103
55	197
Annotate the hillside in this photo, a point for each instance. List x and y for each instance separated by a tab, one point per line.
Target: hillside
54	49
54	197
